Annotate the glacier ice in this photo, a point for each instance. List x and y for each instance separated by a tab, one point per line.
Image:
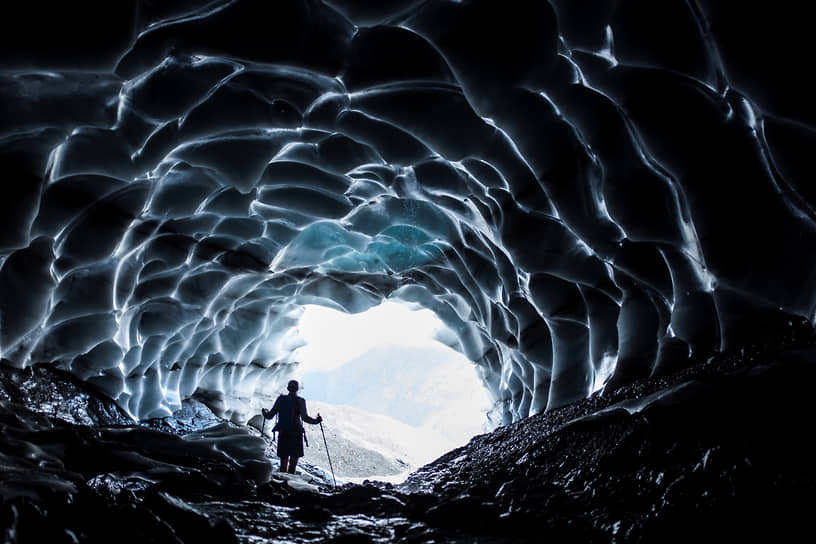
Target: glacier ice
578	200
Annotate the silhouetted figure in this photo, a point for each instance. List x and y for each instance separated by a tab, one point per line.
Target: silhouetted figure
290	409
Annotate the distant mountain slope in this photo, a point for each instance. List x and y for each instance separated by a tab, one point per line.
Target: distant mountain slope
365	445
390	411
422	387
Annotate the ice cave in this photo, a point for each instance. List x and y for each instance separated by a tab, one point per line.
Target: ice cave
603	203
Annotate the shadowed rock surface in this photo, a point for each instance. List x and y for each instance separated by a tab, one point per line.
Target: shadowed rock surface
719	450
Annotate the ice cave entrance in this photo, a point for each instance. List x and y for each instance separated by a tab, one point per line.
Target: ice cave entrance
393	397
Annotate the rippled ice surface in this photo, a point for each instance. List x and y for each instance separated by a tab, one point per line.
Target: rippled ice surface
585	195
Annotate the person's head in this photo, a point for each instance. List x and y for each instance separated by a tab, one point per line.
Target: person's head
293	386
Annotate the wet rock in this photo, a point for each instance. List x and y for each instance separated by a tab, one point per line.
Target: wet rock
714	443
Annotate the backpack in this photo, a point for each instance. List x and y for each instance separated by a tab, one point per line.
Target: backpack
288	415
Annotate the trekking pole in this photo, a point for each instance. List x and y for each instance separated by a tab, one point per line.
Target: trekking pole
327	452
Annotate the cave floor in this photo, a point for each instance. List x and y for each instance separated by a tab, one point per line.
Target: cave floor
720	450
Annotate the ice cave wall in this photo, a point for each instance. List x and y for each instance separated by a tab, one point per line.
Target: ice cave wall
583	191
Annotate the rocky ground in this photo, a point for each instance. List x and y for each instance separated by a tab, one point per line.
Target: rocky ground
360	444
718	451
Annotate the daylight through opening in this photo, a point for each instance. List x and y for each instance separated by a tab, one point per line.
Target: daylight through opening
393	397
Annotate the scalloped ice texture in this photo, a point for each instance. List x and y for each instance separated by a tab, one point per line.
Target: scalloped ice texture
581	201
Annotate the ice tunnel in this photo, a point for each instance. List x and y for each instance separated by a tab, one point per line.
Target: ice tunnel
585	193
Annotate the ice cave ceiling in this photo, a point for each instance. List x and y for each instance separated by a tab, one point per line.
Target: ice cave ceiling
581	190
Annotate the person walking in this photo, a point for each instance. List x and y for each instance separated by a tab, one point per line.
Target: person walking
291	412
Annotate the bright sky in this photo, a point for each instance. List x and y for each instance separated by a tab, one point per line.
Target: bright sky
449	401
333	337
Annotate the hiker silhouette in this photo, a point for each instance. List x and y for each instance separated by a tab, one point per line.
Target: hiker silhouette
291	411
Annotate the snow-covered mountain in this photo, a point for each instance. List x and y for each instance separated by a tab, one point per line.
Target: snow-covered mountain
365	445
432	387
390	411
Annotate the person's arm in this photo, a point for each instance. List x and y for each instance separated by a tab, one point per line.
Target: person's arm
304	415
